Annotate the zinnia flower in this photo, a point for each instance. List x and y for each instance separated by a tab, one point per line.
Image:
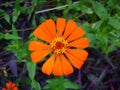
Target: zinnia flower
10	86
64	41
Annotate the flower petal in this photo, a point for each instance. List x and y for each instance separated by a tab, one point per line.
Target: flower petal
4	89
42	33
50	24
61	23
80	43
77	33
8	84
38	55
71	25
13	85
57	70
75	61
35	45
79	54
15	88
66	66
48	65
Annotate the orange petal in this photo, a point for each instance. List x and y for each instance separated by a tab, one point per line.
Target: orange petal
48	65
13	85
75	62
66	66
8	84
35	45
4	89
15	88
77	33
61	23
80	43
57	69
42	33
38	55
71	25
50	24
79	54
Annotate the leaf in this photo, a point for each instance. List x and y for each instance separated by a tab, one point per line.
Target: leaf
14	31
13	66
36	85
70	85
85	9
34	2
8	36
2	11
17	4
7	4
21	51
34	21
25	80
60	84
16	13
57	85
31	67
97	25
66	11
42	19
0	26
100	10
7	17
111	48
114	23
1	36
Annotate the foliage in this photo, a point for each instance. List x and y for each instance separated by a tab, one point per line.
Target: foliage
99	18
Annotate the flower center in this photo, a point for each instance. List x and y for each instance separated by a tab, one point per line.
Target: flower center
59	45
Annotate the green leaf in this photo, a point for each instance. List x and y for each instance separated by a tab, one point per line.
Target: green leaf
1	36
111	48
7	17
31	67
22	51
70	85
66	11
34	21
25	80
16	13
0	26
34	2
32	37
36	85
14	31
2	12
85	9
55	84
60	84
42	19
17	4
114	23
97	25
8	36
7	4
100	10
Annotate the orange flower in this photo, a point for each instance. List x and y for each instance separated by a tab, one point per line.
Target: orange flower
10	86
64	41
